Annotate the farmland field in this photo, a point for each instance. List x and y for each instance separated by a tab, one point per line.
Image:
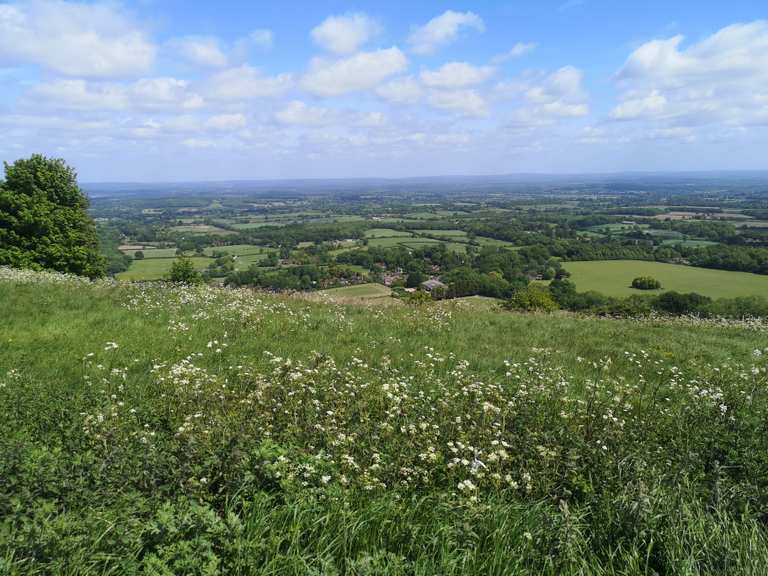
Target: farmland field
157	268
613	277
359	291
386	233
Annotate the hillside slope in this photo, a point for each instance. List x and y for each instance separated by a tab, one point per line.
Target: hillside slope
176	430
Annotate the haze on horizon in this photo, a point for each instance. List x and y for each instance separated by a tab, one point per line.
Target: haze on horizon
166	90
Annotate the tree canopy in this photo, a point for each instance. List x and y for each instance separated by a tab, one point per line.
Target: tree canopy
44	220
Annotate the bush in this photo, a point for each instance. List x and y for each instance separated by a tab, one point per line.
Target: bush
646	283
532	298
679	304
183	271
138	255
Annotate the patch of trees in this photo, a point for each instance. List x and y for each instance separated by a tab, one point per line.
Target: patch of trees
646	283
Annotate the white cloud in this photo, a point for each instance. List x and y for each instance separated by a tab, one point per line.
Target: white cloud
401	90
246	82
345	34
443	30
652	104
545	97
457	75
723	78
262	38
518	50
464	102
144	94
298	113
227	122
73	39
201	51
362	71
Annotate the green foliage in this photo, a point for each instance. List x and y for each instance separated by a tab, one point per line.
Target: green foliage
532	298
44	223
184	271
646	283
138	255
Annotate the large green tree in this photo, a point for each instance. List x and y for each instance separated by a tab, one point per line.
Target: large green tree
44	220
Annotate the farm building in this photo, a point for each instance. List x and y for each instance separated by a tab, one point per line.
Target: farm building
433	284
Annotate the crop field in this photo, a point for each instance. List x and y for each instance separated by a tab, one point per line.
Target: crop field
155	429
613	278
152	252
157	268
386	233
445	233
238	249
200	229
359	291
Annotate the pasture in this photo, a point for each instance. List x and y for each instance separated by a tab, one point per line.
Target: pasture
157	268
613	278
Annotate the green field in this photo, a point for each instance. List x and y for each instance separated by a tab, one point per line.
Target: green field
157	268
359	291
238	249
386	233
445	233
613	278
153	252
200	229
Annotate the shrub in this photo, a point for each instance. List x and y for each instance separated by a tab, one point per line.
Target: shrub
532	298
138	255
676	303
183	271
646	283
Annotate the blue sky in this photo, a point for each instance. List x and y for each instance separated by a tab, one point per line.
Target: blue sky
180	90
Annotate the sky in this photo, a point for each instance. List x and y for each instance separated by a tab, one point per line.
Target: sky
172	90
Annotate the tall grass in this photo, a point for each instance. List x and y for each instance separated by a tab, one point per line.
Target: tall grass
175	430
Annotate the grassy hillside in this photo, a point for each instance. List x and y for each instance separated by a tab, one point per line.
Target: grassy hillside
173	430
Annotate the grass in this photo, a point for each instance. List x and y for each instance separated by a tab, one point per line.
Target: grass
445	233
613	278
200	229
359	291
171	430
237	249
386	233
157	268
154	252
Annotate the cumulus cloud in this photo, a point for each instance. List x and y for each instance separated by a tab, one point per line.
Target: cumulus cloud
557	94
226	122
201	51
722	78
75	39
361	71
244	83
442	30
345	34
299	113
144	94
405	90
457	75
463	102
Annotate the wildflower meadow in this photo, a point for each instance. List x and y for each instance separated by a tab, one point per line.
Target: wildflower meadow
167	429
